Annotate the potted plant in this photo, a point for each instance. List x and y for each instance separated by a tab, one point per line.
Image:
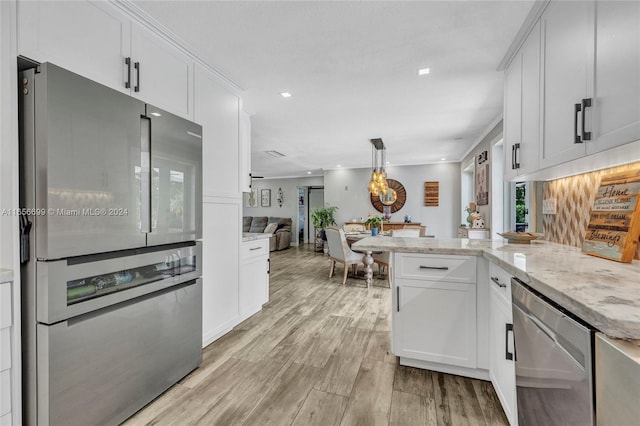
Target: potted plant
323	217
374	222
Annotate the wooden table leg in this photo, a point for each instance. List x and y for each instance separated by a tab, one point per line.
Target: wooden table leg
368	271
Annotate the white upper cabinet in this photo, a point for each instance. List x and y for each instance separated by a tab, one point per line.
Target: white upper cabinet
245	142
217	109
96	40
512	115
89	38
567	40
617	75
160	73
522	108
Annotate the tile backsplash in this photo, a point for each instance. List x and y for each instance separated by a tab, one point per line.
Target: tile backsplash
574	197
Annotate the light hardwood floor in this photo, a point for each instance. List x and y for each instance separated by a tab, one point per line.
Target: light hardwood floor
319	353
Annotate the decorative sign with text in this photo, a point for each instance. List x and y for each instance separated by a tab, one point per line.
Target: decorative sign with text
614	226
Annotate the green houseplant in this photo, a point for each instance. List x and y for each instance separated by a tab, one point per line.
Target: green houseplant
323	217
374	222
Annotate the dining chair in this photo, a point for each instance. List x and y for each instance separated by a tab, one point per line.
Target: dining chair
339	251
384	259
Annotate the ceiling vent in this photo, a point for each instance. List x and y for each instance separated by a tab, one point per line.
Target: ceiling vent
274	154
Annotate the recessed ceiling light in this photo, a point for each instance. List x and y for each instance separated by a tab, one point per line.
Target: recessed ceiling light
338	165
443	159
285	94
424	71
308	173
388	162
157	114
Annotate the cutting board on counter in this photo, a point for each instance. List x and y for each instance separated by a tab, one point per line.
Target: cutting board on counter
614	225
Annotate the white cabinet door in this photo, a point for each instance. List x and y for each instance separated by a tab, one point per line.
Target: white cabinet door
435	321
161	74
527	156
617	75
567	40
522	108
89	38
512	115
254	277
217	109
501	368
245	152
220	277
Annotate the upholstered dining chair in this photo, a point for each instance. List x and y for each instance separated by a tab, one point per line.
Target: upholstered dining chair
339	251
384	259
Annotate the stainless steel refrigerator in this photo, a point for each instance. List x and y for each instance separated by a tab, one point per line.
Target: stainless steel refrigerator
111	209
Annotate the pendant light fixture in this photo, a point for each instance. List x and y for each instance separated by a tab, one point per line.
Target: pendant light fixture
378	183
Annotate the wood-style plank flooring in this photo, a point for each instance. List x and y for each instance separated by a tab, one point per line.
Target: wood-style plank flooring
319	353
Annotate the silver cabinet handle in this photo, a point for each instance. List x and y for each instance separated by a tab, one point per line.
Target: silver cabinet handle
440	268
497	281
255	248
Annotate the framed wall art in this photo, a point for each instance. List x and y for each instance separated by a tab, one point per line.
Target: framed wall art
482	188
265	198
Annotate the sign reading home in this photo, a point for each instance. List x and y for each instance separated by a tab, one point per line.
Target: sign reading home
614	226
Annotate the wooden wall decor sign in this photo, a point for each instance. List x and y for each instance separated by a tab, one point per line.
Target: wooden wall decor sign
614	226
431	194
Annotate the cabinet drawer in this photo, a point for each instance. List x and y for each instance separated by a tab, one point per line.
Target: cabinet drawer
435	267
501	280
254	248
5	305
5	349
5	392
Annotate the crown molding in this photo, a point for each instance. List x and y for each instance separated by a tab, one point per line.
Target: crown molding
529	22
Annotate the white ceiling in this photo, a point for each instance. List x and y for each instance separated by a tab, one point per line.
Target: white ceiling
352	70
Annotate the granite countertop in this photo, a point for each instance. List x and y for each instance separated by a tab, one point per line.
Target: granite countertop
604	293
6	275
252	236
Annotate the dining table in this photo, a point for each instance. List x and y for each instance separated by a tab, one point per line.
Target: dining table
355	236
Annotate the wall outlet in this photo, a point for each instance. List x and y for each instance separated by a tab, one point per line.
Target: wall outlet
549	206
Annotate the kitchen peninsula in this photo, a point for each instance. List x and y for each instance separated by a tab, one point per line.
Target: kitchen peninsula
603	293
485	309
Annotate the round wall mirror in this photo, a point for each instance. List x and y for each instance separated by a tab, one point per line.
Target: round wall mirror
389	198
395	197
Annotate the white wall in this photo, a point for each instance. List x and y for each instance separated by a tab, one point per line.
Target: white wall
347	189
493	136
289	207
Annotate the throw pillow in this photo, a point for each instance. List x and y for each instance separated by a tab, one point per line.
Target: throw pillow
271	228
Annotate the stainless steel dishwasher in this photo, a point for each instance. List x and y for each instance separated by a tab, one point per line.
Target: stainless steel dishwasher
554	369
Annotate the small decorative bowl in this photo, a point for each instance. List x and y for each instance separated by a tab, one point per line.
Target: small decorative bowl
520	237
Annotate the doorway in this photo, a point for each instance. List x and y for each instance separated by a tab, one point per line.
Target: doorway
309	198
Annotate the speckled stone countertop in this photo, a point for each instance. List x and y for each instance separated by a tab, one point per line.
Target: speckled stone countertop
604	293
6	275
252	236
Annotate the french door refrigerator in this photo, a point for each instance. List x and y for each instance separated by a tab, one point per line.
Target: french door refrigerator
110	203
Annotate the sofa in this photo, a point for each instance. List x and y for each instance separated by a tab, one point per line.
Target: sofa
280	227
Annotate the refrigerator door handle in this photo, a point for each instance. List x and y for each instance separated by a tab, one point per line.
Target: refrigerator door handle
25	230
145	174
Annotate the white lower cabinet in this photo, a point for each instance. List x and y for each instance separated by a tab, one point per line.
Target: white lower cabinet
434	312
501	344
254	277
